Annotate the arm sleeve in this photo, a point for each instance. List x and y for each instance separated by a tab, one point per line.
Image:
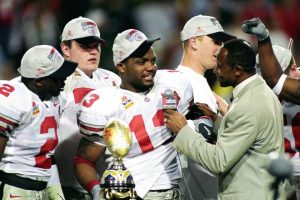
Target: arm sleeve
231	144
15	103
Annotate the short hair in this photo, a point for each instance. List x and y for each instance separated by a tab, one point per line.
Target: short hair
240	53
68	43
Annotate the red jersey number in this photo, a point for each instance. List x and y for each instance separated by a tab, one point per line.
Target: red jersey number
137	126
6	89
89	101
41	160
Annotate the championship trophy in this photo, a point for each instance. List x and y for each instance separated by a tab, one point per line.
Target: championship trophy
116	181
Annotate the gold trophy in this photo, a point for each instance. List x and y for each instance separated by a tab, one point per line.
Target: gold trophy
116	181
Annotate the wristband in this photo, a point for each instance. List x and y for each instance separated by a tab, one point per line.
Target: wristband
265	39
279	85
78	160
90	185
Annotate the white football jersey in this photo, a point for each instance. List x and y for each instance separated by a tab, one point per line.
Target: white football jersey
31	127
200	183
151	158
76	87
202	91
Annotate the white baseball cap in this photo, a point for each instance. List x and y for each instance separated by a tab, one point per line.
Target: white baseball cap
81	28
131	43
283	56
44	60
204	25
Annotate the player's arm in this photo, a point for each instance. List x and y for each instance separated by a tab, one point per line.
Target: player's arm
291	90
286	87
84	165
3	141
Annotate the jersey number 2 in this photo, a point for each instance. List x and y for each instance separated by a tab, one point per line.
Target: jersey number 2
41	160
6	89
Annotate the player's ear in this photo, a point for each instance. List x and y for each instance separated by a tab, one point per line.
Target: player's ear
38	83
121	68
193	43
238	70
65	49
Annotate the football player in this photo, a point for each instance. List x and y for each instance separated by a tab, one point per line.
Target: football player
29	118
199	55
80	42
138	102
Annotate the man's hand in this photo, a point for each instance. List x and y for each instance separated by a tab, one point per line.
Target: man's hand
194	112
256	27
206	111
174	120
222	104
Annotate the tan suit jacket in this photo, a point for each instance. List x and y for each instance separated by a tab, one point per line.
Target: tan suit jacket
251	129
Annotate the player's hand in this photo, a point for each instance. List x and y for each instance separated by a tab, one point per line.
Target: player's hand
55	192
95	191
204	126
256	27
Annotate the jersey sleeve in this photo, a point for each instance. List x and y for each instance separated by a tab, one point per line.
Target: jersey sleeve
15	100
95	110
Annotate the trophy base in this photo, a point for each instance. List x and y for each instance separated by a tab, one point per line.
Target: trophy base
117	182
109	194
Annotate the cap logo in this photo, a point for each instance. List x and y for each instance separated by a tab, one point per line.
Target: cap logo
54	56
199	30
70	34
90	27
215	22
134	35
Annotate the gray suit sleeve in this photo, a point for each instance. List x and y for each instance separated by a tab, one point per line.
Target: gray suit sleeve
235	137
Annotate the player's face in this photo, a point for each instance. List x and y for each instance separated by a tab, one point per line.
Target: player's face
294	71
138	74
207	51
50	87
86	55
224	72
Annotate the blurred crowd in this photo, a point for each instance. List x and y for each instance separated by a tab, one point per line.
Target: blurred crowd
25	23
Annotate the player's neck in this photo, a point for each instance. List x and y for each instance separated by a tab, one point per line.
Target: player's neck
193	66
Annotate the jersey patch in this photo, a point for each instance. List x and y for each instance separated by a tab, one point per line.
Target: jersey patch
35	109
126	102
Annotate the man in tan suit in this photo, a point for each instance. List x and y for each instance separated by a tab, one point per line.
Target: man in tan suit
251	129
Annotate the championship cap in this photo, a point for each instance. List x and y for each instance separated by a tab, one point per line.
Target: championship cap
204	25
131	43
81	29
44	60
283	56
